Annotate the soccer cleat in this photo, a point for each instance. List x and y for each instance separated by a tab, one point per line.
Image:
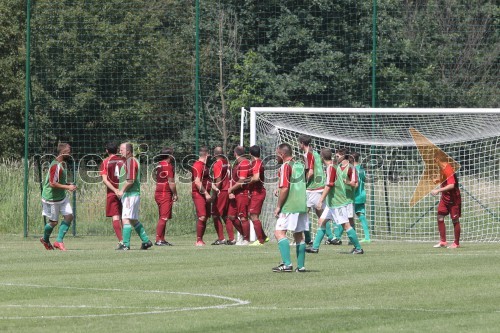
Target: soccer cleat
47	245
282	268
59	246
243	243
441	244
454	246
300	270
122	247
163	243
147	245
310	243
199	243
356	251
266	240
219	242
333	241
256	243
312	250
367	241
231	242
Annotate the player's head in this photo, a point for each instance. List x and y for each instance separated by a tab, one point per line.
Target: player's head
355	156
284	150
304	141
64	150
254	151
218	151
112	147
341	154
126	149
239	151
204	152
326	154
167	153
440	156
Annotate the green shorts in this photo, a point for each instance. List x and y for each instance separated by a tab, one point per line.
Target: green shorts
359	208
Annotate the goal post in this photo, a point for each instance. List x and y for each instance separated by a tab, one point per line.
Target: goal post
393	163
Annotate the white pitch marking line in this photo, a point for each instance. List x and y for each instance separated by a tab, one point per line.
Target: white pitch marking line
236	302
356	308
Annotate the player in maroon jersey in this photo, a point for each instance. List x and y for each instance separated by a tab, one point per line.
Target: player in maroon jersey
200	192
257	193
165	194
238	195
221	178
110	172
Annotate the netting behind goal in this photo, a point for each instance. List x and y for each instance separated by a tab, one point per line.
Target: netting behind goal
394	165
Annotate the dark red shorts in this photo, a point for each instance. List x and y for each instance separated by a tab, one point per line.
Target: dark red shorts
454	209
113	205
256	202
220	205
165	205
203	208
238	207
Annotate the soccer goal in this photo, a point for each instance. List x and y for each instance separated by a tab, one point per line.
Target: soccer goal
394	163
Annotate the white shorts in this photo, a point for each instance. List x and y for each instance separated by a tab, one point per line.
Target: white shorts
350	210
53	209
130	207
337	215
295	222
313	199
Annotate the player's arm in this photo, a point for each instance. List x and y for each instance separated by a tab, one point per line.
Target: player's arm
351	179
199	184
310	167
54	180
108	184
173	187
131	176
330	183
283	187
450	180
283	194
242	178
255	174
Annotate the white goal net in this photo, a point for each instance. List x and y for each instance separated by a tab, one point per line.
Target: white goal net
393	163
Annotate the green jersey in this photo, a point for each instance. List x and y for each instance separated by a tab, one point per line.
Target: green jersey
360	193
57	173
292	176
341	196
313	161
130	171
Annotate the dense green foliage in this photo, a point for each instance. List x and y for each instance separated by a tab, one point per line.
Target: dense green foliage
125	69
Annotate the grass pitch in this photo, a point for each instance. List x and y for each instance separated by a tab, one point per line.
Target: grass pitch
394	287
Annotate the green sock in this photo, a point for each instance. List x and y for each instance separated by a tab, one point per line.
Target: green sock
320	233
301	254
47	231
284	247
354	238
338	230
63	229
307	234
141	232
126	233
364	224
328	229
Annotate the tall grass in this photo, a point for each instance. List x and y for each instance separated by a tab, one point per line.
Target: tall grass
89	205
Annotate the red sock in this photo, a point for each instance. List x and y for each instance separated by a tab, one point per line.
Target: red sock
456	230
257	225
219	228
442	230
200	229
160	229
117	226
237	225
230	229
245	227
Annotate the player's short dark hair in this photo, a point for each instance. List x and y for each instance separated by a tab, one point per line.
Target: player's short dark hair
326	154
254	151
355	155
304	139
166	152
61	146
218	151
440	155
285	149
203	151
239	150
112	147
343	151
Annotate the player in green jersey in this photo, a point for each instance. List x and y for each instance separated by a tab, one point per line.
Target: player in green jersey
360	197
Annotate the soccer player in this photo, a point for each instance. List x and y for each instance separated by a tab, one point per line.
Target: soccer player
129	191
221	177
450	202
257	193
291	209
360	197
54	199
315	181
337	202
200	192
165	194
110	173
238	195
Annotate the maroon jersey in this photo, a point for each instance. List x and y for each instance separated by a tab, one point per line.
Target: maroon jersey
111	167
221	170
448	177
239	171
257	167
200	170
164	171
